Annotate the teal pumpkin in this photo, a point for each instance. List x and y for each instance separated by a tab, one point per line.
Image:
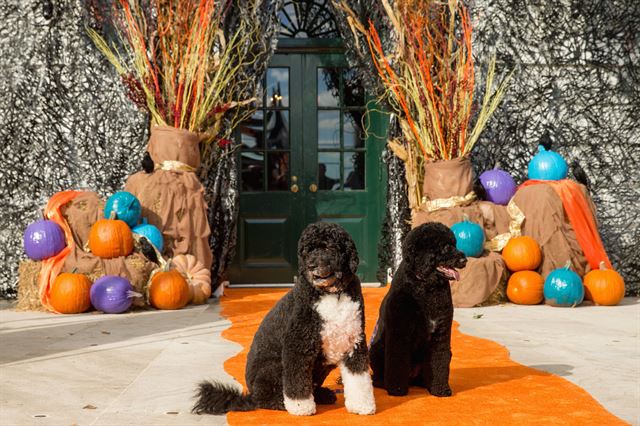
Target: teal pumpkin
547	165
152	233
125	206
469	238
563	287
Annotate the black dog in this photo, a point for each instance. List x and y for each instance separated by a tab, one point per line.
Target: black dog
412	342
315	327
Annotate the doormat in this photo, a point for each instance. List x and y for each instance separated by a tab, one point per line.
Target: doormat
488	387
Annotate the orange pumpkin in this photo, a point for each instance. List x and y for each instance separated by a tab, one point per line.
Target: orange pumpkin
604	286
525	288
198	277
168	290
522	254
110	238
69	293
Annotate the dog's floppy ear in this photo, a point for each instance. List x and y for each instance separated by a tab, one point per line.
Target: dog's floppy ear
352	252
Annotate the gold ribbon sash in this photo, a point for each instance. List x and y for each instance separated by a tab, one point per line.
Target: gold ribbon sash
174	166
447	203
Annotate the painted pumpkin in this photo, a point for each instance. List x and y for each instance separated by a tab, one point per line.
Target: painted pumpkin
70	293
563	287
604	286
152	233
522	254
125	206
198	277
499	186
168	290
43	239
469	238
112	294
525	288
547	165
110	238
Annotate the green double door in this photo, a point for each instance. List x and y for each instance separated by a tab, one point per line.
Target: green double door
311	152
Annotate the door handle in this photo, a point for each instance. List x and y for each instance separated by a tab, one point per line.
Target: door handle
294	188
313	187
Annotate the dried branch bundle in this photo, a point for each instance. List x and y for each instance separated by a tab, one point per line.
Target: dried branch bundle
177	63
429	77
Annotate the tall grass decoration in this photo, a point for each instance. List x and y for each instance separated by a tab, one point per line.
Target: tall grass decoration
429	81
430	77
176	62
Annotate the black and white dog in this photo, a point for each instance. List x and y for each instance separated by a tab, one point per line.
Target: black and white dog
315	327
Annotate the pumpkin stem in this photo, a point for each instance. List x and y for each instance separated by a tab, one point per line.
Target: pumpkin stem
73	271
166	266
465	217
567	264
112	215
541	148
144	221
133	294
603	266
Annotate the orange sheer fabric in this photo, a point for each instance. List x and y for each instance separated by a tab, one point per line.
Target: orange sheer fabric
581	218
51	266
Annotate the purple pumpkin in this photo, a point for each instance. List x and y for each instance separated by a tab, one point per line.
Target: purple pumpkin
499	186
112	294
43	239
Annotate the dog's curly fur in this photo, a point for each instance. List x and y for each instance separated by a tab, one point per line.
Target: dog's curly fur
412	342
315	327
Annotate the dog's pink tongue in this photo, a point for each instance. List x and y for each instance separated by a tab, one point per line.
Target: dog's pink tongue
451	273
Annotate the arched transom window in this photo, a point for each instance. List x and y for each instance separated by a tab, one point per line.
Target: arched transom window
307	19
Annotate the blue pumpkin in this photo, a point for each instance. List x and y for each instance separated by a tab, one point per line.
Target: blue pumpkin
547	165
125	206
563	287
469	238
152	233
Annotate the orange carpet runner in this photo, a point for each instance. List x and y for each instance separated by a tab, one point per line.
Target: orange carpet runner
488	387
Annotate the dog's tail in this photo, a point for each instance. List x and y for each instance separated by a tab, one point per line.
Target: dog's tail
219	398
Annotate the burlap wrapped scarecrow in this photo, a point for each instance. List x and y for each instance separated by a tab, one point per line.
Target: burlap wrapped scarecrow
171	196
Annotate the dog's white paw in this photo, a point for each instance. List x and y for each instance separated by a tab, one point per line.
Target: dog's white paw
358	392
300	407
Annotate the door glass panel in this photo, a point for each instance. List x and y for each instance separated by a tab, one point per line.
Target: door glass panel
278	171
352	132
277	87
328	129
328	87
251	131
329	170
277	129
353	92
252	165
353	170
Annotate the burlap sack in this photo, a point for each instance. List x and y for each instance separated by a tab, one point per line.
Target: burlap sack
447	178
479	281
493	218
172	197
547	223
81	213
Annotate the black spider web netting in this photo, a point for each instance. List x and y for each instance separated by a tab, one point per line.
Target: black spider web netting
66	123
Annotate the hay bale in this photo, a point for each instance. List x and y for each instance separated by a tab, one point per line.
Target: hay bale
28	295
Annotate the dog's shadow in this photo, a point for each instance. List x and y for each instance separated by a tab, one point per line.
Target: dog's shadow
469	378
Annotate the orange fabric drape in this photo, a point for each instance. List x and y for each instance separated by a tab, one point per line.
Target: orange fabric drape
51	267
581	218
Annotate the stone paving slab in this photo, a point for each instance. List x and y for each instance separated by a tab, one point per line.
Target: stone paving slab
141	368
131	369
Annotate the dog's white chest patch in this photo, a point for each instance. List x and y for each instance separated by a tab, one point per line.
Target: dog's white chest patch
341	326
